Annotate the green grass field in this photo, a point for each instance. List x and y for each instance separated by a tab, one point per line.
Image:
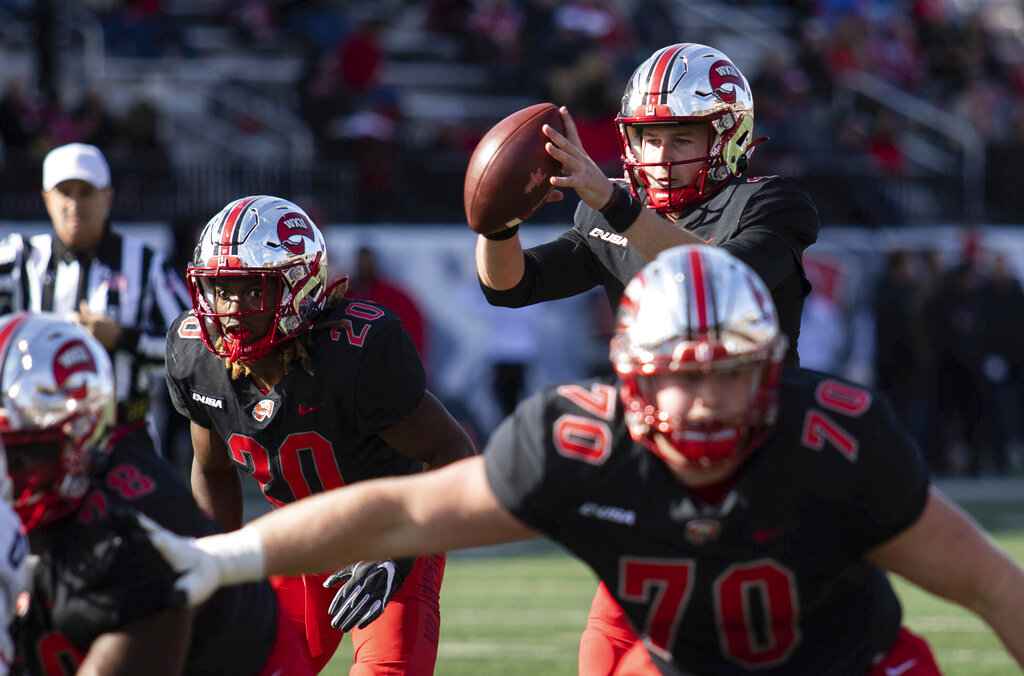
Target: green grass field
520	610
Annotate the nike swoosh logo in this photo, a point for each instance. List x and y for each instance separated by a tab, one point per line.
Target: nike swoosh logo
898	670
771	533
303	410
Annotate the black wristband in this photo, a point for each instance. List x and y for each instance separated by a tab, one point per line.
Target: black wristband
507	233
622	209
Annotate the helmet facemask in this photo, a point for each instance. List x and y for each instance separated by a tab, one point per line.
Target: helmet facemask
48	472
688	84
709	443
273	246
725	156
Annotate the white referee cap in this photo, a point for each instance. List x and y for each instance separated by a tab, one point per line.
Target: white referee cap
76	160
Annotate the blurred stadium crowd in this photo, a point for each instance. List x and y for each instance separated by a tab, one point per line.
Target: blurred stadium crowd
885	108
891	112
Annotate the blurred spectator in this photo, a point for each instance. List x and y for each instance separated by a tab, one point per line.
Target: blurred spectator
653	24
20	117
369	283
1003	365
496	33
956	320
96	124
359	56
897	358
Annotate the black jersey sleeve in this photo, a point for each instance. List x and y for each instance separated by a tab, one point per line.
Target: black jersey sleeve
777	224
391	380
561	268
892	482
180	364
514	459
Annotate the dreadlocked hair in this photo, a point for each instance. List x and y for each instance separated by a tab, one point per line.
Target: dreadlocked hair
296	351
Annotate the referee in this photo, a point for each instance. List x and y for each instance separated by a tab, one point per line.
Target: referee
121	290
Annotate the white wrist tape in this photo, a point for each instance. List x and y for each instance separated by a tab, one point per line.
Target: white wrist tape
239	555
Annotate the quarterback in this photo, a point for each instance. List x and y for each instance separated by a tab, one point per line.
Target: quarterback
686	126
742	513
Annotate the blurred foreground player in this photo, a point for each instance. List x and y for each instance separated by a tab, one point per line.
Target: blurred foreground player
284	378
742	515
98	601
15	568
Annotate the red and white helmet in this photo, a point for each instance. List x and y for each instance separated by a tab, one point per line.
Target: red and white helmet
56	408
686	84
266	237
696	309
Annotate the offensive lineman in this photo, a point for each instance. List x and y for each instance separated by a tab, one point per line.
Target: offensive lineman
284	378
687	130
742	514
97	604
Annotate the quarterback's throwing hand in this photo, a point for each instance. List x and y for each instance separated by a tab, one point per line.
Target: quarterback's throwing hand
367	588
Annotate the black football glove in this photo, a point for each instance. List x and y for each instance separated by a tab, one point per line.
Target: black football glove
367	588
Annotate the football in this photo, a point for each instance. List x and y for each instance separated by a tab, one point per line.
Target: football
507	176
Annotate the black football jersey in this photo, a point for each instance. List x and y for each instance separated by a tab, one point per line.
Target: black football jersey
768	579
92	576
311	432
766	222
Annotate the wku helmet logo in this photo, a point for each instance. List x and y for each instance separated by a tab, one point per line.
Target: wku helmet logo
291	229
725	79
73	357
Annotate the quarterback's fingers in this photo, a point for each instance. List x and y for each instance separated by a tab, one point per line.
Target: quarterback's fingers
570	127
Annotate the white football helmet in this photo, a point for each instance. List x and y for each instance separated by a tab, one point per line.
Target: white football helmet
696	309
276	241
685	84
56	407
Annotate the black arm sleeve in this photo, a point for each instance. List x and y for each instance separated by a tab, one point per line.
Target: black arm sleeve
560	268
775	228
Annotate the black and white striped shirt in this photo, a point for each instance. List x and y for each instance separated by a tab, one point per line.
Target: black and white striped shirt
122	278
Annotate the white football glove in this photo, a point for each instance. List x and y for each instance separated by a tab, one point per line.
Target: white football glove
209	563
367	588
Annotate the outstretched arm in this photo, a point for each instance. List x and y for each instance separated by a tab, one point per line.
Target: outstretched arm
450	508
946	553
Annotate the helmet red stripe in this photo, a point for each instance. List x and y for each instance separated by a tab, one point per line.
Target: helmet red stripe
228	232
699	293
660	75
9	330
